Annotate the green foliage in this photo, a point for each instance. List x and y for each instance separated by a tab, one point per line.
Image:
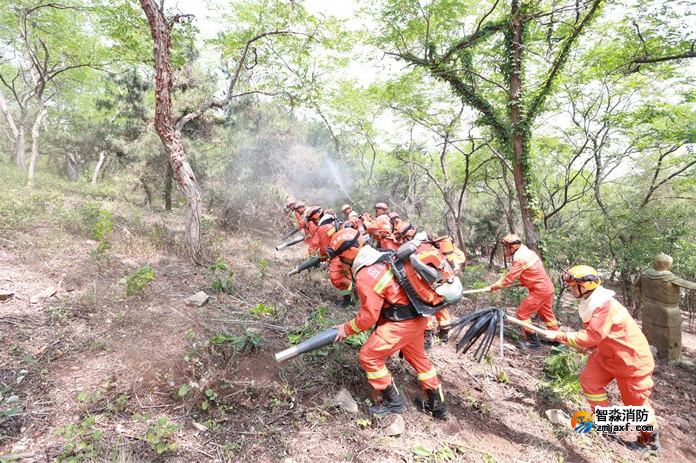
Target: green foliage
422	453
562	377
249	342
358	339
160	432
82	440
263	310
221	278
6	399
101	229
136	282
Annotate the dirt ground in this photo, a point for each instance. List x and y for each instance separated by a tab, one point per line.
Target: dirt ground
101	376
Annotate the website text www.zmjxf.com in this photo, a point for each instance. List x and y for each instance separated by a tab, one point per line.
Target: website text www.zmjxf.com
611	428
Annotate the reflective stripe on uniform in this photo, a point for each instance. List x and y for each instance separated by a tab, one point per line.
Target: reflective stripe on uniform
331	232
532	260
353	326
596	397
427	375
551	323
382	283
571	339
377	374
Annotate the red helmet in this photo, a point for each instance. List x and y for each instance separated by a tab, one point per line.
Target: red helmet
346	209
512	243
290	204
405	231
300	206
395	220
381	208
345	243
314	213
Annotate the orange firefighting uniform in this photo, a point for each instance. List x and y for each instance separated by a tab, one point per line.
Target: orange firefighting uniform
300	221
354	221
377	289
339	274
527	266
378	228
311	238
323	234
622	352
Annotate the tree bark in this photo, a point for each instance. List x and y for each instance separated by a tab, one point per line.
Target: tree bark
102	157
35	133
519	134
10	121
168	183
171	138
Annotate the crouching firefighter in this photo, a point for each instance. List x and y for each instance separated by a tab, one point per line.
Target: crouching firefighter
399	327
622	351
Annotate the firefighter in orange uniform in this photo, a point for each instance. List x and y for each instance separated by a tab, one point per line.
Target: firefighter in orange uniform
441	320
346	209
299	208
310	229
527	266
380	226
622	351
322	223
399	327
389	241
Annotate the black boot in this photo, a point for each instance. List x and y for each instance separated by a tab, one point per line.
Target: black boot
428	339
347	300
433	403
443	334
532	341
388	401
646	442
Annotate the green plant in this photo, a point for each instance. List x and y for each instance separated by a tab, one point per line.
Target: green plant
263	310
319	314
5	400
263	266
82	440
249	342
101	230
211	399
222	279
358	339
159	432
562	378
137	281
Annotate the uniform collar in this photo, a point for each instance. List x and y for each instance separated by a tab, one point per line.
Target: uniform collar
597	299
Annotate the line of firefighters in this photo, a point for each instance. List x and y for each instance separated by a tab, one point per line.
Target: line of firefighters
620	350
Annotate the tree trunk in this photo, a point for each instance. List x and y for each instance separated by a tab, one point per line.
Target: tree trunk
168	181
171	138
71	167
102	157
10	121
19	153
520	143
35	145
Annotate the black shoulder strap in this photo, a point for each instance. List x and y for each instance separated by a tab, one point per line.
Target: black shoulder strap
420	306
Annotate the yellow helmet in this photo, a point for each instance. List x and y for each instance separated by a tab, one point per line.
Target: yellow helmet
582	275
